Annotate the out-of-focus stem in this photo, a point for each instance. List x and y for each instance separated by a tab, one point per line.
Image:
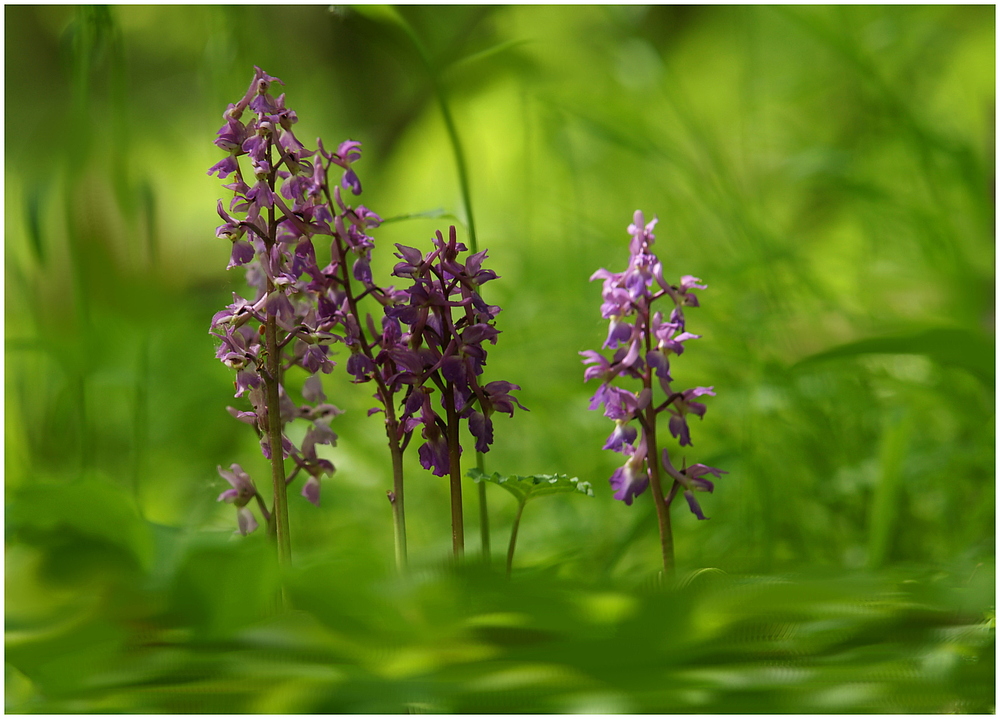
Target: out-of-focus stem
454	462
449	122
513	536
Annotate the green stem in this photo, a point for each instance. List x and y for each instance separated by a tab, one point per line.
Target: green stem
388	401
463	175
396	499
653	460
454	461
272	381
513	536
280	511
662	509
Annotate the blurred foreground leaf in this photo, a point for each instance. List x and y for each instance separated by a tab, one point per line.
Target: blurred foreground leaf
75	518
447	640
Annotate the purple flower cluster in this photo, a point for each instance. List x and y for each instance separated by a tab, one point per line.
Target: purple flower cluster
278	209
447	323
431	335
643	342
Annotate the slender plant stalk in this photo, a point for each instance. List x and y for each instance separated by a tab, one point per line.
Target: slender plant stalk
653	459
397	498
513	536
456	144
662	508
272	378
463	173
280	512
398	511
454	460
388	401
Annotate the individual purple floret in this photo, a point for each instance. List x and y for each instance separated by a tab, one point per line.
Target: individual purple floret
693	480
239	495
643	342
681	406
631	480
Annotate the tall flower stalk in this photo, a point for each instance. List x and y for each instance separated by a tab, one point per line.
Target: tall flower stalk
644	342
298	310
371	359
461	167
443	351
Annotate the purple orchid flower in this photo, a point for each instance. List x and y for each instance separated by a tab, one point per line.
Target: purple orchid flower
643	345
631	479
682	406
240	493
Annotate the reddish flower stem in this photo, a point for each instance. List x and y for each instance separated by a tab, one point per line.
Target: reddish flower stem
454	461
653	460
272	377
386	396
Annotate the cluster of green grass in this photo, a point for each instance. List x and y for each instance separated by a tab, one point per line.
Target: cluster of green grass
164	621
828	171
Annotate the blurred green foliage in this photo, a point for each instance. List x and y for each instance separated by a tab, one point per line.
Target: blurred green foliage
828	171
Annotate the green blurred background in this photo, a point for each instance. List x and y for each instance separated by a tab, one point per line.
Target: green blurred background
827	171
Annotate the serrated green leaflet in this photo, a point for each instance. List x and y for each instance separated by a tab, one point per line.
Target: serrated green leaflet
534	485
525	488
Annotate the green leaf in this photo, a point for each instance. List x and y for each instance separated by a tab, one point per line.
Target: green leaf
488	52
34	210
434	214
884	510
77	519
380	13
535	485
972	351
